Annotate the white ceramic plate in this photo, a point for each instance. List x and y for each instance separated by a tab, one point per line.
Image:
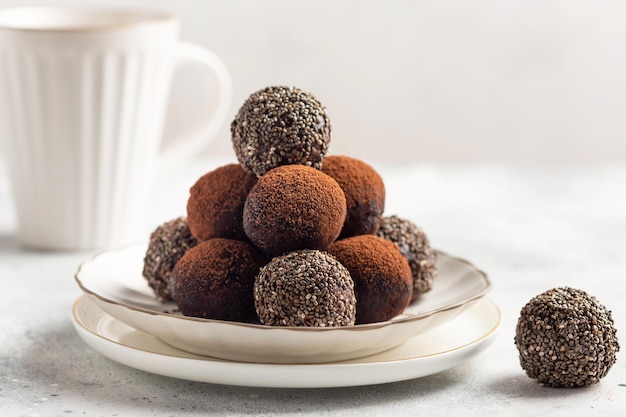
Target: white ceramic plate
431	352
114	281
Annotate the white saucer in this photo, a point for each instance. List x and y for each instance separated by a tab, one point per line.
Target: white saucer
436	350
113	280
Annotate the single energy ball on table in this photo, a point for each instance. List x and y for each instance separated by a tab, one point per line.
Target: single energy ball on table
305	288
280	125
364	190
215	204
294	207
215	278
415	247
566	338
168	243
383	283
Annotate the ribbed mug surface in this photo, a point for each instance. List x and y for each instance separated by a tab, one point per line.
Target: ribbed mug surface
81	112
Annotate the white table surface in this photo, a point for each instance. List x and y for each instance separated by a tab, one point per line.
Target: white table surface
530	229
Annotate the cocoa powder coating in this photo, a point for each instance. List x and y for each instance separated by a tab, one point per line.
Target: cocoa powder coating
294	207
215	204
280	125
365	193
168	243
566	338
383	283
215	280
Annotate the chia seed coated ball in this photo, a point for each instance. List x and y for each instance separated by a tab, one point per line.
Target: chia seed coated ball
415	247
168	243
307	288
566	338
279	126
294	207
364	190
214	280
382	277
215	204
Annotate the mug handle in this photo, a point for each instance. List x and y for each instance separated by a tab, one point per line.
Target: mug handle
191	143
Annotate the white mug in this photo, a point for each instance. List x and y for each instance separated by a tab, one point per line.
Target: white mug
83	99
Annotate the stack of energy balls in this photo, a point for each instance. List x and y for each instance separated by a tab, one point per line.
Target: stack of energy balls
289	236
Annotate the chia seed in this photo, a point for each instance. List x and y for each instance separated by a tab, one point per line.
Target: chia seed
168	243
280	126
415	247
308	288
566	338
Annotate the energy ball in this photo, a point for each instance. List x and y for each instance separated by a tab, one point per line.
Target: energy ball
214	280
279	126
215	204
306	288
294	207
168	243
566	338
364	190
383	283
415	247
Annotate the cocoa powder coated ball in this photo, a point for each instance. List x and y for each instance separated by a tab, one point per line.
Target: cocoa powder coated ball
168	243
214	280
365	193
415	247
566	338
307	288
215	204
294	207
280	125
382	277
